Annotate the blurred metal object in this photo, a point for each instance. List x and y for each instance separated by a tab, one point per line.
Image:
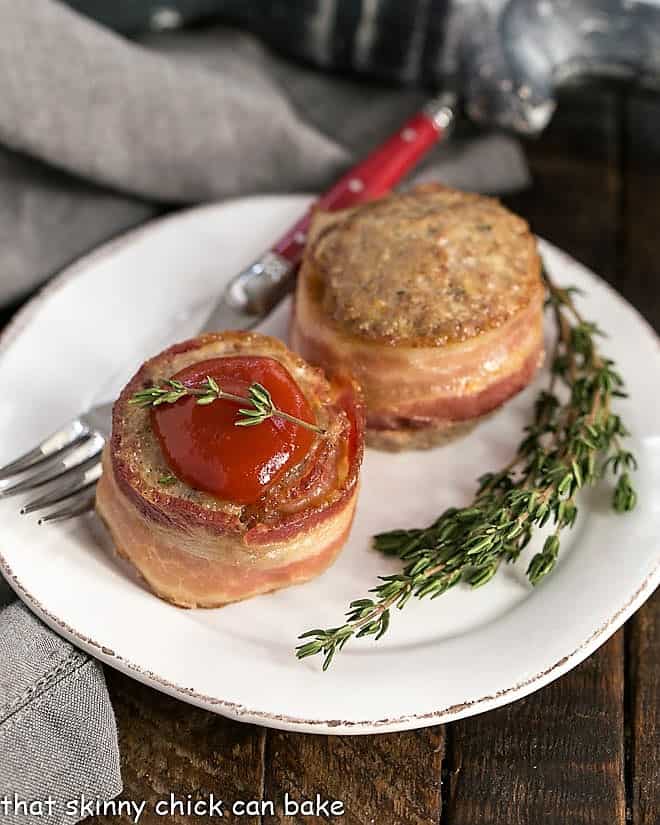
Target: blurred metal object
511	55
506	57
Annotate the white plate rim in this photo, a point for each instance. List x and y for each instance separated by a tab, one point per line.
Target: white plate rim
235	710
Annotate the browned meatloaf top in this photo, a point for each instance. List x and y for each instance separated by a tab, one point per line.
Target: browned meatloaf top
431	266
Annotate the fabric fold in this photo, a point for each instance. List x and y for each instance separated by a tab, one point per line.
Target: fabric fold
58	737
85	100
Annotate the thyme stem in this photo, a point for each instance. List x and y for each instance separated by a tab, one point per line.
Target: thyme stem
259	403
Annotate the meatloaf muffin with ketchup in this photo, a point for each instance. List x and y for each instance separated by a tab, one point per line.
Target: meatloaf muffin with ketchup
433	299
210	512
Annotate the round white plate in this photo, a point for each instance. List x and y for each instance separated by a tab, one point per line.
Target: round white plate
464	653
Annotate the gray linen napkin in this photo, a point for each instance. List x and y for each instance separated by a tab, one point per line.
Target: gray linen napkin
58	738
97	134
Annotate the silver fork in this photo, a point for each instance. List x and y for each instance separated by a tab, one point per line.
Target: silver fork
67	464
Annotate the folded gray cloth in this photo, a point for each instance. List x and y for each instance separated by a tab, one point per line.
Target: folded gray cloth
98	133
175	129
58	738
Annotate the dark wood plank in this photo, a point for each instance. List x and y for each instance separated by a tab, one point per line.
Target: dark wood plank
389	778
639	275
170	747
574	200
640	282
644	678
554	757
558	755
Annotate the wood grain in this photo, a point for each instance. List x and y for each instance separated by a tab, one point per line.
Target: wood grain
170	747
644	679
639	275
388	779
574	200
558	756
640	282
555	757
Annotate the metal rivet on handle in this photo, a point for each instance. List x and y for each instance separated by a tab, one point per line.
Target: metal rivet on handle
355	185
408	134
300	237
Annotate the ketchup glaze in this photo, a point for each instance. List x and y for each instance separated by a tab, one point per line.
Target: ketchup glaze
204	447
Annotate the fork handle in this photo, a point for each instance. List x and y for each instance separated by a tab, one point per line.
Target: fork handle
259	287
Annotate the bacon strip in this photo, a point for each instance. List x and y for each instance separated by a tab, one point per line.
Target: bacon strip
414	387
195	568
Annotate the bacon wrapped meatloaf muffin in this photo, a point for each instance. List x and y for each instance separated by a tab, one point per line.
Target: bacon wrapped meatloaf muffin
433	299
210	512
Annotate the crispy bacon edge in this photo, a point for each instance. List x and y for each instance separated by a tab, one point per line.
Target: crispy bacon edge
415	388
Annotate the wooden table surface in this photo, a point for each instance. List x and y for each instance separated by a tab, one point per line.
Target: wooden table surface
585	749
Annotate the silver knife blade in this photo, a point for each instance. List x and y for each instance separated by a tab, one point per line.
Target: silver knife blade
251	295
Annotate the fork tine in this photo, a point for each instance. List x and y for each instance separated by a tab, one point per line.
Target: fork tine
79	483
76	458
63	438
79	506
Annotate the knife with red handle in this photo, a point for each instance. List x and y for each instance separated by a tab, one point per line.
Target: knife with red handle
252	293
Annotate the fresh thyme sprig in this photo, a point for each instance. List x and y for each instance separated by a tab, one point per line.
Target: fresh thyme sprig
261	405
572	442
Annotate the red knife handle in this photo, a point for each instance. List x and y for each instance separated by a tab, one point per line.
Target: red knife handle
378	172
258	288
